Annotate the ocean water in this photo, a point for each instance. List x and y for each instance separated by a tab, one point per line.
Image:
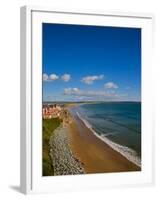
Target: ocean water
117	123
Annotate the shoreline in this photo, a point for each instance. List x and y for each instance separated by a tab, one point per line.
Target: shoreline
95	153
114	146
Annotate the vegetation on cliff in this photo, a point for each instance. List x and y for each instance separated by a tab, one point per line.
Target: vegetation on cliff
49	125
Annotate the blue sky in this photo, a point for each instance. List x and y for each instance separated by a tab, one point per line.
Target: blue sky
83	63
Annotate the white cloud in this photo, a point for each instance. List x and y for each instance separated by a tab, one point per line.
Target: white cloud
84	93
53	77
71	91
111	85
92	95
45	77
66	77
90	79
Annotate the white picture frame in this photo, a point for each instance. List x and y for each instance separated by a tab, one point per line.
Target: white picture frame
31	71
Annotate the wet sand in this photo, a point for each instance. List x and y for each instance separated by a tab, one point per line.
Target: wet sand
95	154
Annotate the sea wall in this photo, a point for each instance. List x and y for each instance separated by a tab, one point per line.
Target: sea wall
64	162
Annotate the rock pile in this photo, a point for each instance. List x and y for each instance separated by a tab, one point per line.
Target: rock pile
64	162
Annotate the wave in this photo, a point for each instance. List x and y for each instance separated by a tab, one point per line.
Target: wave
117	123
125	151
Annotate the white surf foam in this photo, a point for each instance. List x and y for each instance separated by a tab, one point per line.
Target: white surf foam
127	152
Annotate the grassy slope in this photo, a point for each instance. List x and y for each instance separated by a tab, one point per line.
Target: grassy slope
49	125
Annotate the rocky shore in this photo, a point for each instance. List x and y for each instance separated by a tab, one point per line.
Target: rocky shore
64	162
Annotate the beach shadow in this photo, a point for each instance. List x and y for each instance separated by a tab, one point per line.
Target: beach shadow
15	188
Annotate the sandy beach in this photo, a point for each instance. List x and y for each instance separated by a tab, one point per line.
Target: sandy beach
95	154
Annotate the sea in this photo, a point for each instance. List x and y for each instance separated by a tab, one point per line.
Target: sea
116	123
